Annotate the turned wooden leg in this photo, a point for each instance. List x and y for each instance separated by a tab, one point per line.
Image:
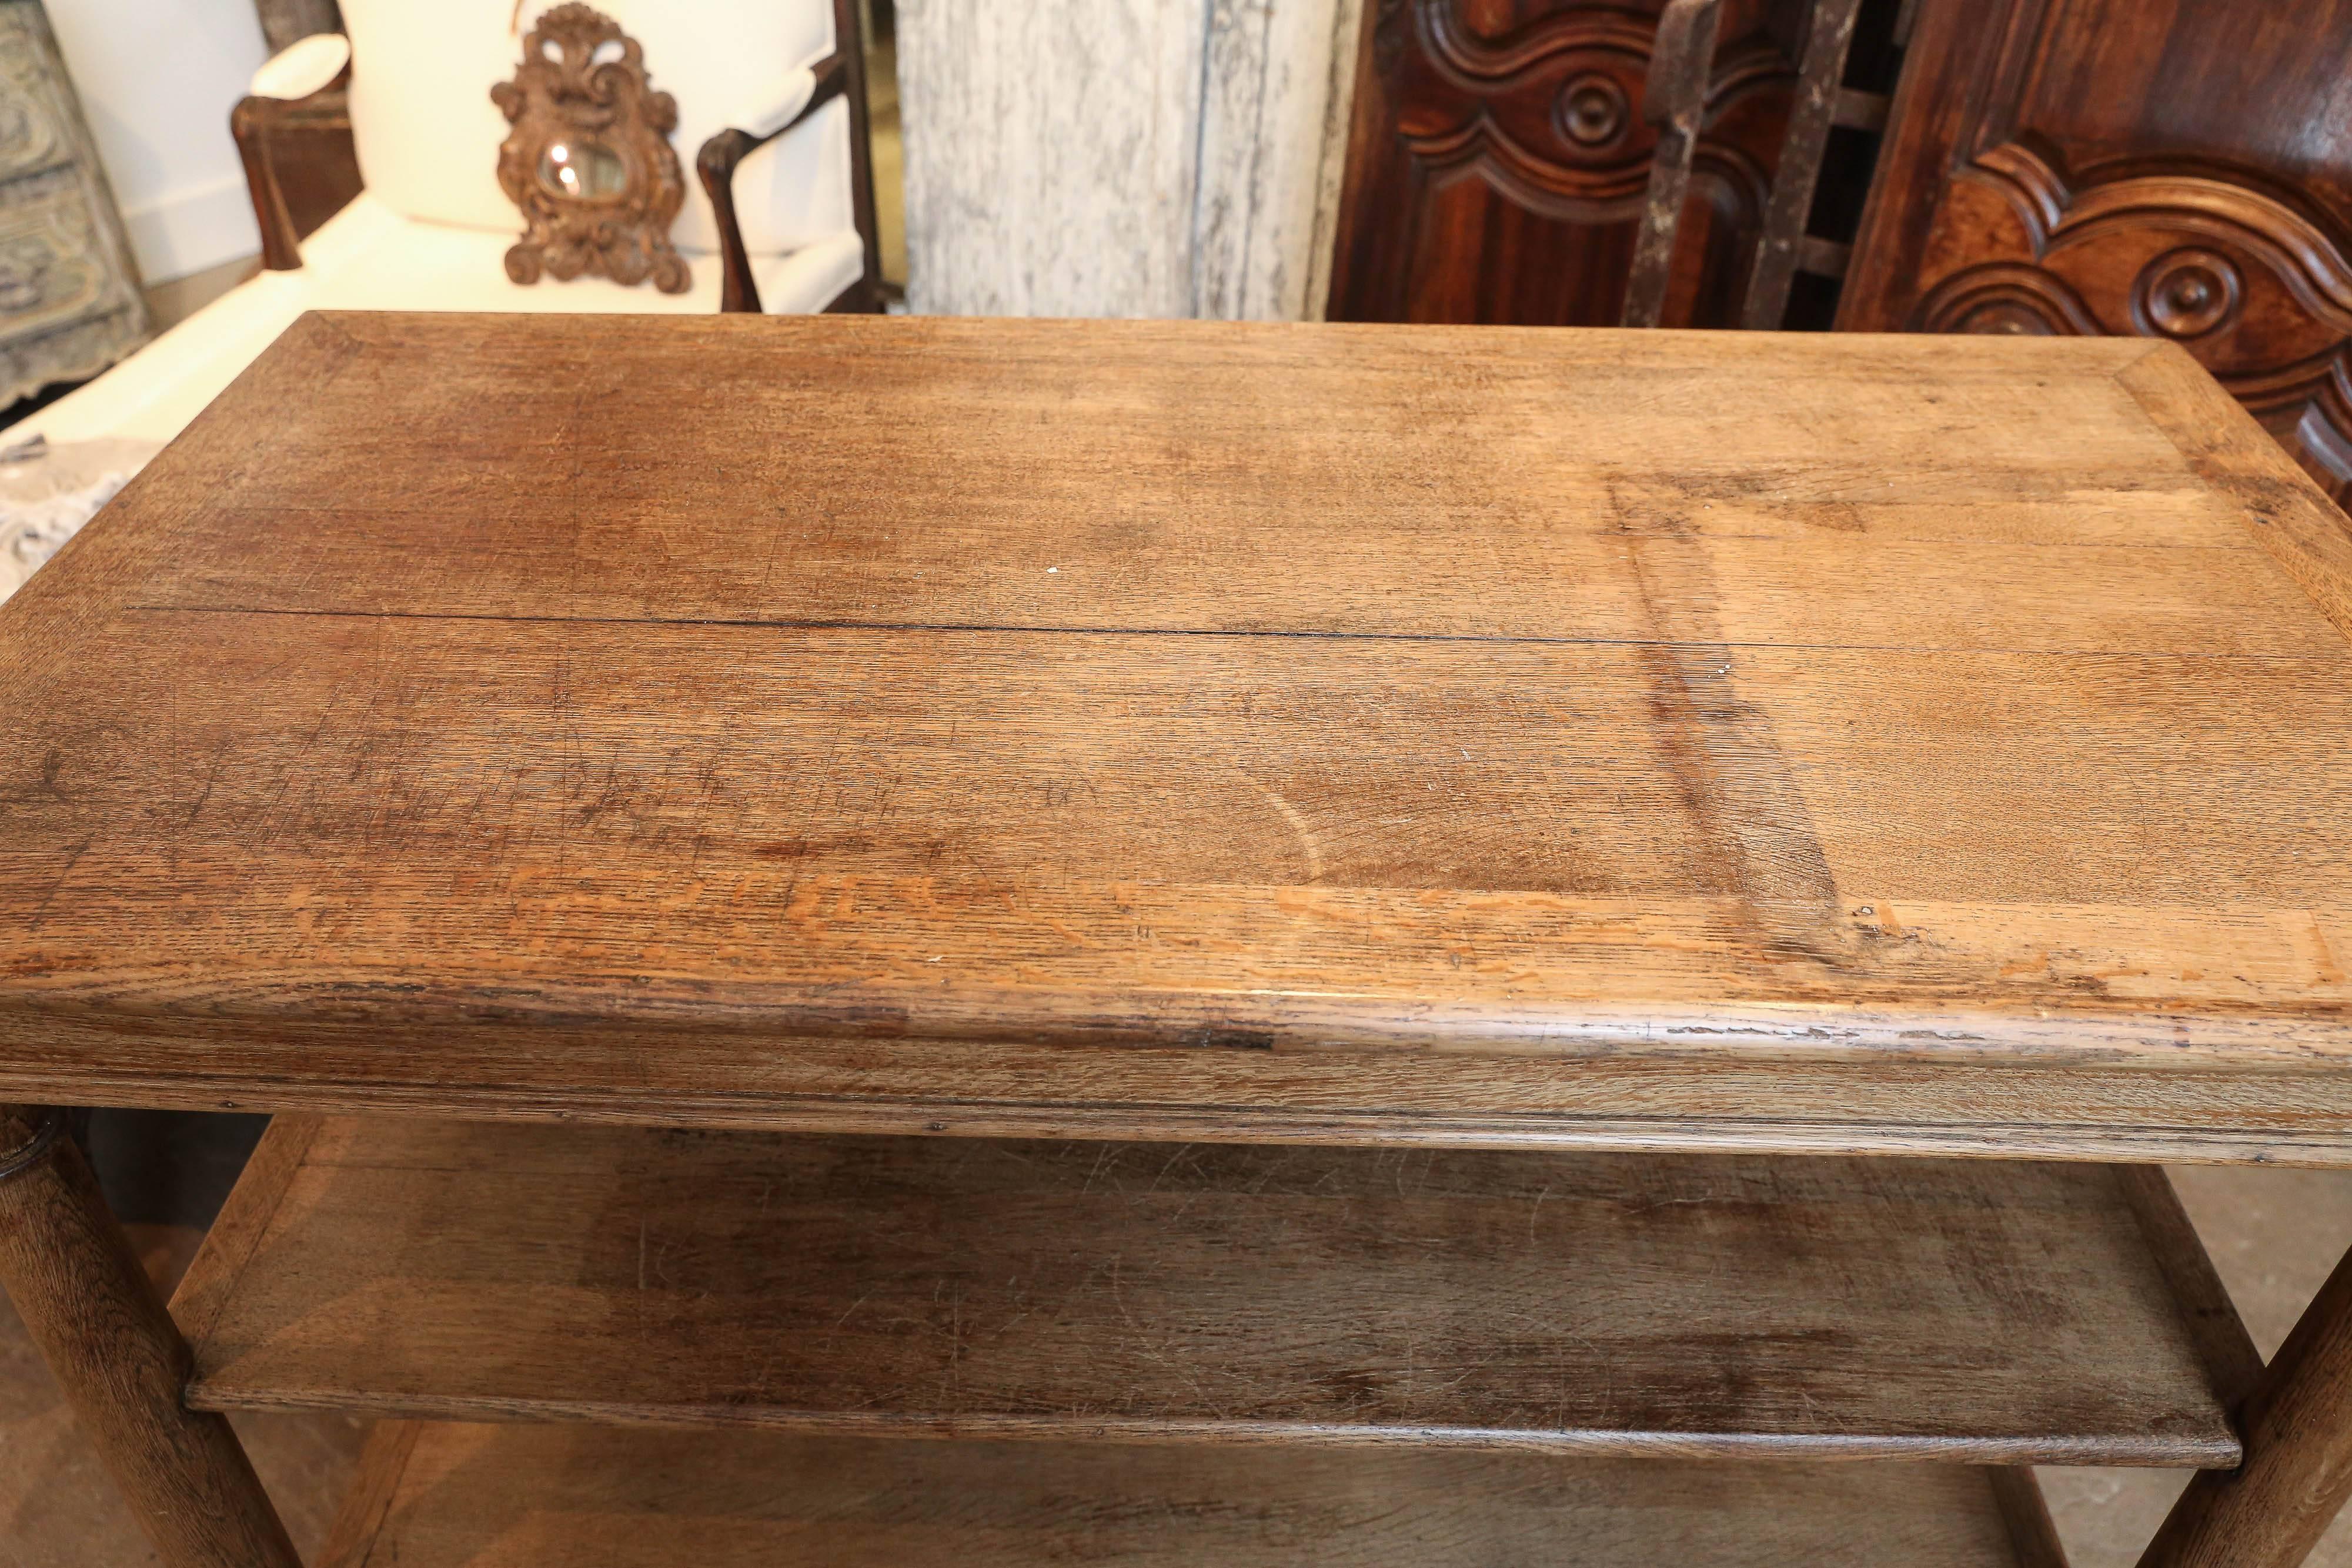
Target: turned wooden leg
2272	1511
114	1349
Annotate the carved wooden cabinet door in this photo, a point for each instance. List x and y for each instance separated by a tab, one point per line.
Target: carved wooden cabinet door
2173	169
1497	155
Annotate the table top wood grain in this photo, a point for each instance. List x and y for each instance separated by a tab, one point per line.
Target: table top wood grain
1184	728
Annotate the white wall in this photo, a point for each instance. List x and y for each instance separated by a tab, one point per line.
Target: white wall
157	79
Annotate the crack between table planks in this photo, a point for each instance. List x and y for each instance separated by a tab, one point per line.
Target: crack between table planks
1019	629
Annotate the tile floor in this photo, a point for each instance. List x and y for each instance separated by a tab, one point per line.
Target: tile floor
2274	1235
58	1509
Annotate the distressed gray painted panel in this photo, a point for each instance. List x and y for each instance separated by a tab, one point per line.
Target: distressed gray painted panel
70	299
1051	151
1338	110
1122	157
285	22
1264	141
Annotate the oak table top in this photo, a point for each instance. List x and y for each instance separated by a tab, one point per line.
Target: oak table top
1173	729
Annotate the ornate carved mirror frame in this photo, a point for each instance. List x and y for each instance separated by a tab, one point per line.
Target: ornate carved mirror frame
589	160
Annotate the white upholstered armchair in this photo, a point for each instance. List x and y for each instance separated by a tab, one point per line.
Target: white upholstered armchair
771	114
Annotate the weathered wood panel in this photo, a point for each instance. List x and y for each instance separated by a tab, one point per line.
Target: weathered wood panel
1160	158
1052	155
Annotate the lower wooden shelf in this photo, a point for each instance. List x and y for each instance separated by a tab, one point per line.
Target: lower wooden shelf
1801	1307
437	1495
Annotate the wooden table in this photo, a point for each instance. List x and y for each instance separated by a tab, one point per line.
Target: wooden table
1418	941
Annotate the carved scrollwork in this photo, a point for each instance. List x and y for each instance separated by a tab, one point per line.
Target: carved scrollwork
2323	430
2248	276
1477	63
1591	148
2235	211
31	138
589	161
2001	296
69	302
1520	127
1588	158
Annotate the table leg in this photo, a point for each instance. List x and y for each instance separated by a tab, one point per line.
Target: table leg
112	1346
2272	1511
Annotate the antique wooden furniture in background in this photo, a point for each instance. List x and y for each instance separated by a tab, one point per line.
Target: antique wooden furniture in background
1675	102
2180	171
842	75
308	145
809	231
589	162
1500	154
285	23
301	166
293	133
432	229
70	298
1633	776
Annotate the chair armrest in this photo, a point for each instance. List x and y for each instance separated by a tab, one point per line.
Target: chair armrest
297	74
302	68
783	108
805	93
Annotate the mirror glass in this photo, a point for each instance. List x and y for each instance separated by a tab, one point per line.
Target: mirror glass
581	170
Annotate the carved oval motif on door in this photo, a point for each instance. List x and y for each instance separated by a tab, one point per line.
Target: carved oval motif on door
1591	110
2186	293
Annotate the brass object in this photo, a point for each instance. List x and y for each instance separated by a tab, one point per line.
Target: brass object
589	160
47	1131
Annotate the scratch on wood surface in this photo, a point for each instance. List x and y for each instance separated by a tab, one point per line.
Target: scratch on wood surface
1299	828
2330	973
73	858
